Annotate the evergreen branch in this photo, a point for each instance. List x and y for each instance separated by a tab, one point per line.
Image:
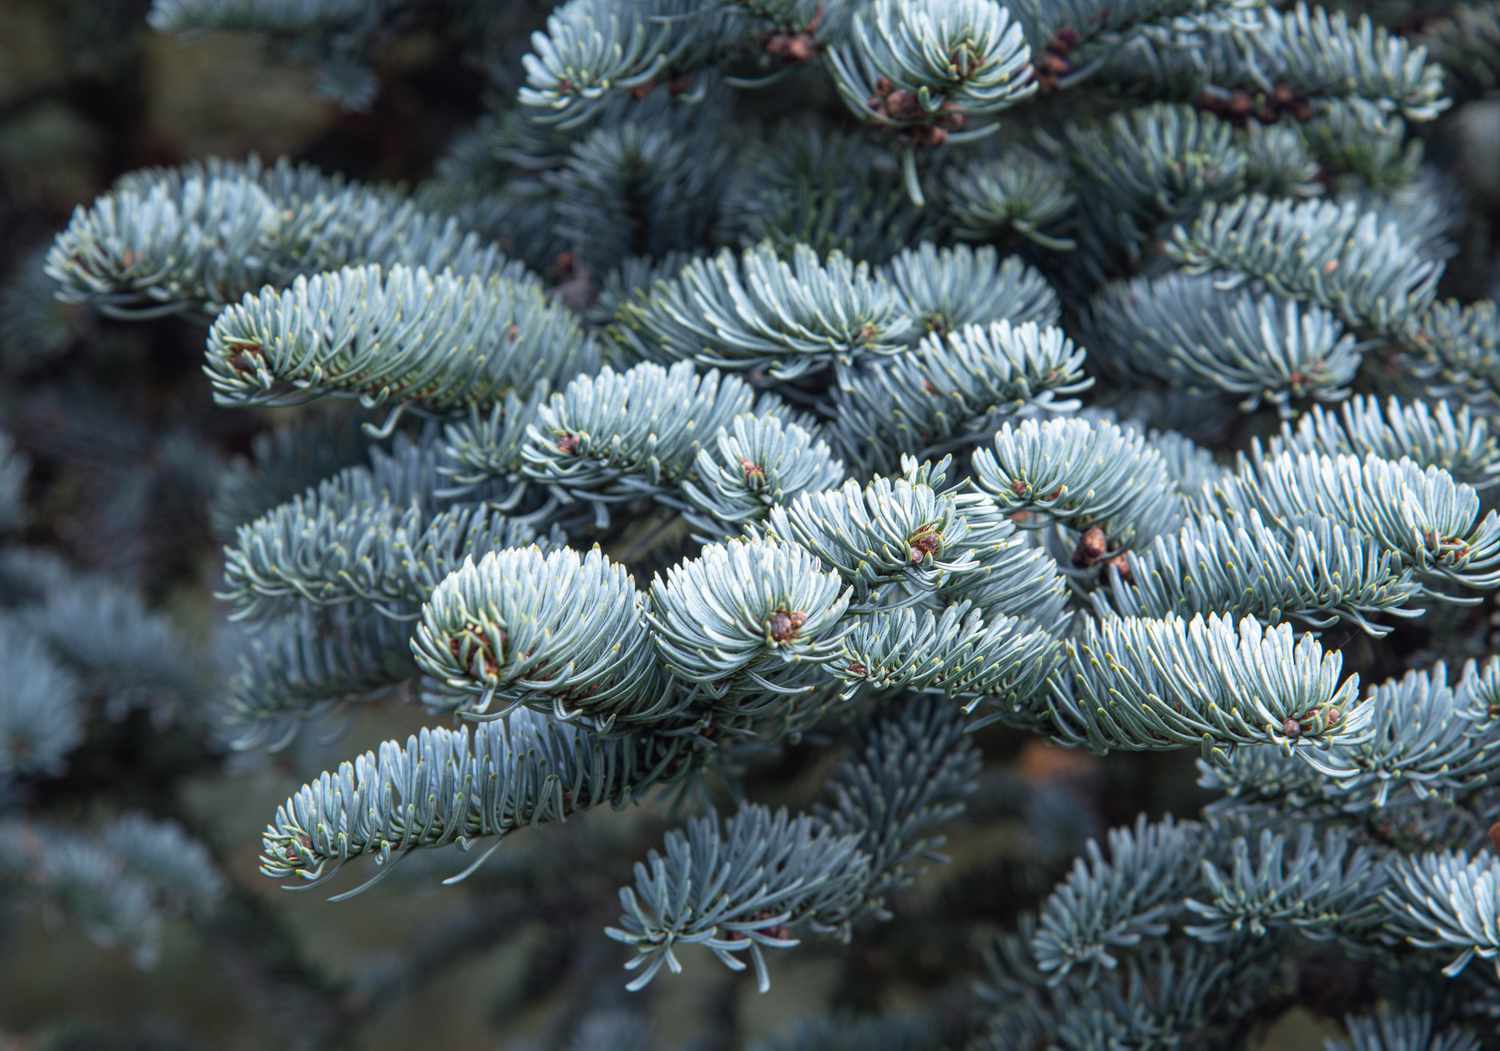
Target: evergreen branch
1456	351
1324	56
40	716
738	887
1145	167
1184	330
1000	661
594	48
1322	889
931	65
1459	443
1021	580
624	435
1431	523
440	789
950	288
1072	40
1168	683
889	532
641	188
302	666
740	624
1104	907
1084	475
1389	1030
1425	742
1018	190
831	190
1465	41
1334	255
322	554
402	334
954	390
909	774
1319	573
755	463
202	236
1446	901
562	634
756	311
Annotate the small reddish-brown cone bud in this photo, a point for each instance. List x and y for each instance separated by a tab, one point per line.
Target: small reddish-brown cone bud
568	444
1054	65
902	105
1495	836
1291	727
800	48
924	545
1121	565
1240	104
778	44
751	470
883	86
784	625
1091	547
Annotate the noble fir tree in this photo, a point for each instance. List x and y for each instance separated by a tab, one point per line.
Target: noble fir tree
855	387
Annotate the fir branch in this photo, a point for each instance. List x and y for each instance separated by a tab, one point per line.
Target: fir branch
1336	256
1430	522
1104	907
1084	475
954	390
1168	683
1446	901
202	236
441	341
754	464
1323	889
1000	661
948	289
741	624
41	719
1319	573
441	788
562	634
625	435
737	887
1185	330
1460	443
756	311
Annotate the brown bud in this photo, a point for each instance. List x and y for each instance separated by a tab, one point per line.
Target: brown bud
924	544
800	48
1121	565
1054	65
568	444
778	44
1291	727
902	105
784	626
1091	547
883	86
1495	836
1066	38
751	469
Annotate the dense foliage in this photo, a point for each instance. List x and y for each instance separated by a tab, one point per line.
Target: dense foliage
849	392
